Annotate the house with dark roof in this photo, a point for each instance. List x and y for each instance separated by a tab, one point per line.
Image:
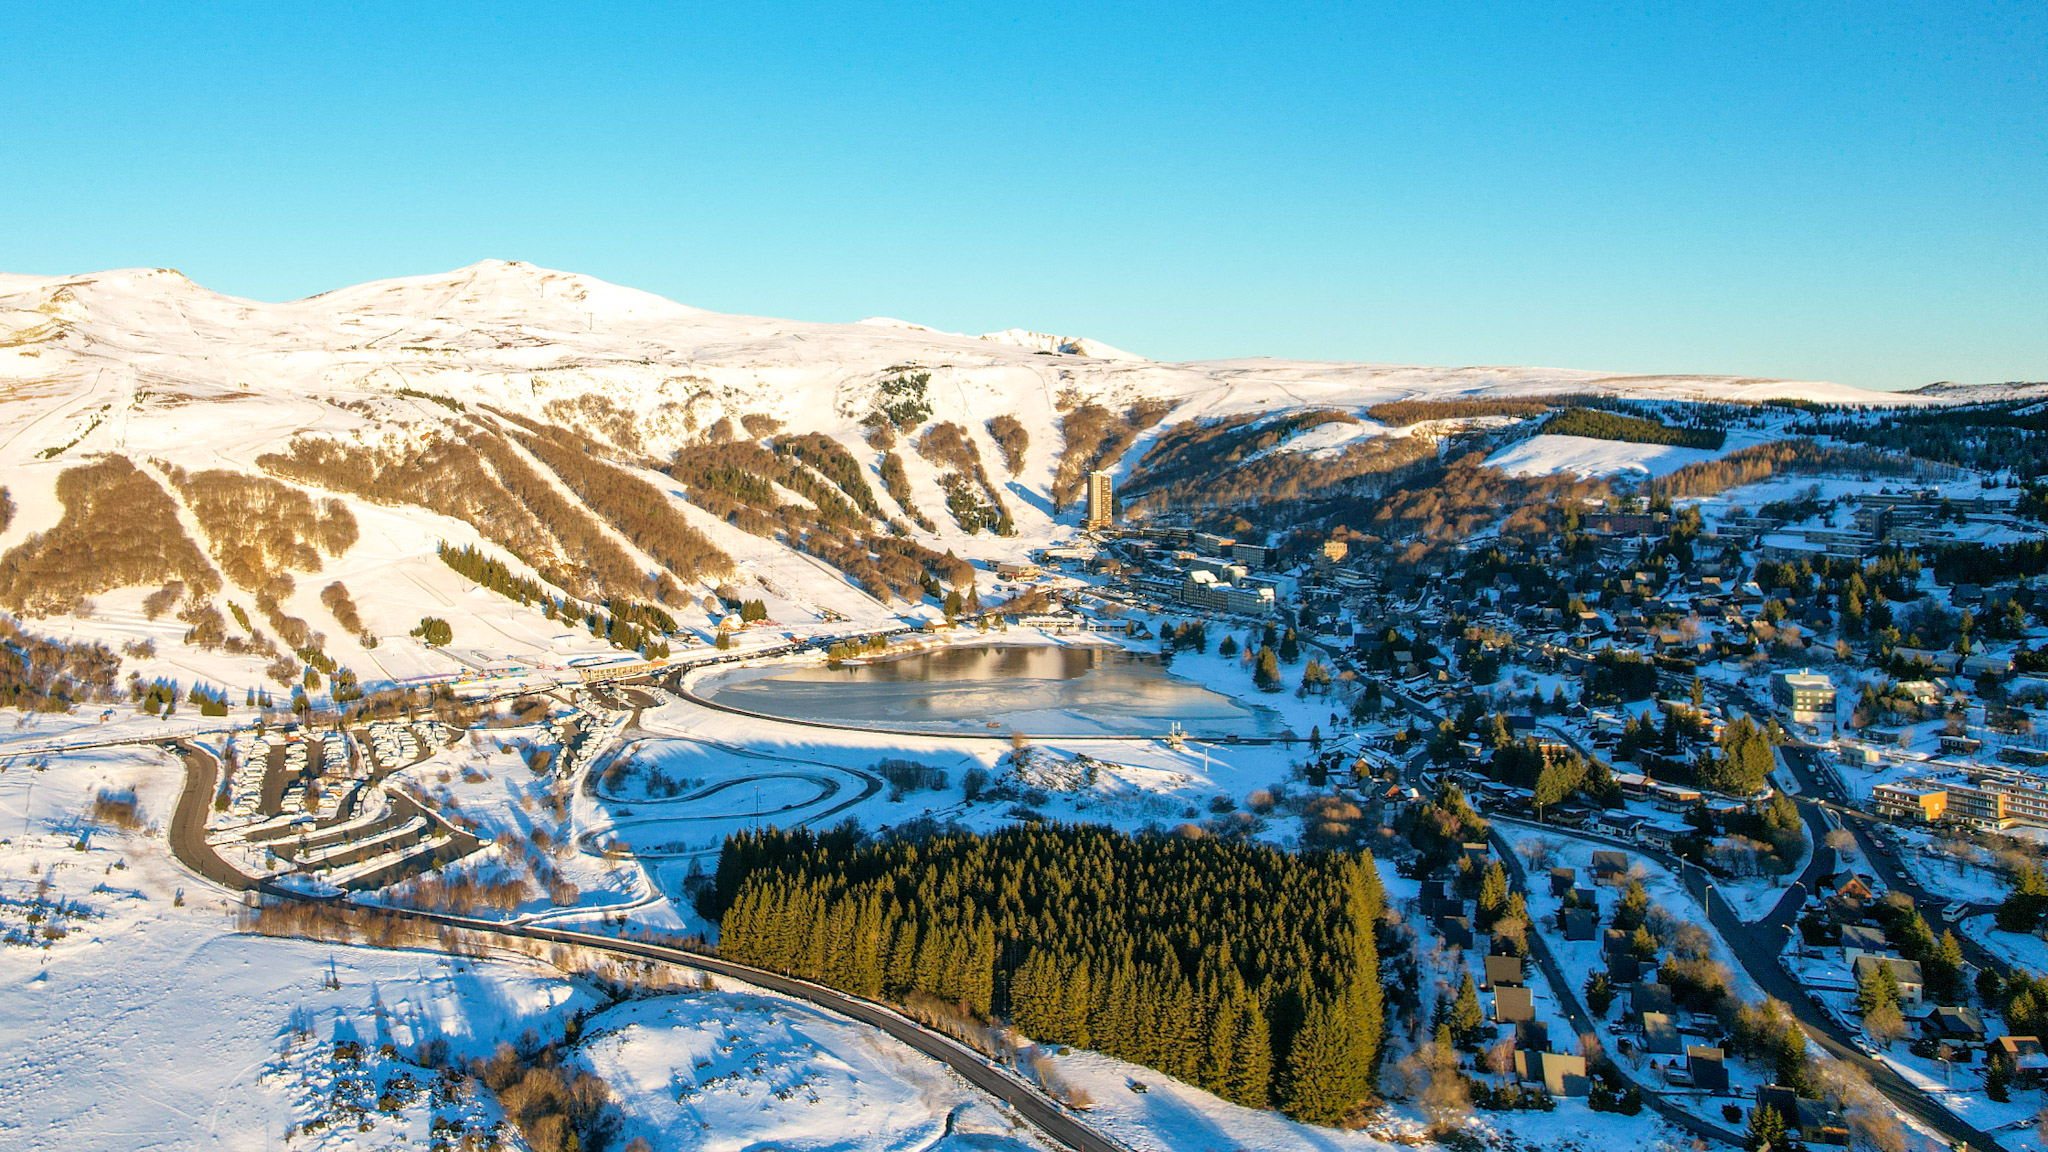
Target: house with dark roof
1560	1074
1504	971
1905	972
1650	997
1660	1035
1562	881
1708	1068
1580	924
1960	1026
1456	931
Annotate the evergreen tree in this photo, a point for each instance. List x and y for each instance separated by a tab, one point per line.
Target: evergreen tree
1316	1077
2023	907
1493	894
1599	995
1877	988
1267	674
1766	1130
1633	907
1998	1073
1466	1017
1249	1081
1945	970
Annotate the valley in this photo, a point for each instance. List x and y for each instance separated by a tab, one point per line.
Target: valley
570	718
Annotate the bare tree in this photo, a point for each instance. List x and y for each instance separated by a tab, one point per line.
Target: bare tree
1885	1025
1430	1075
1540	853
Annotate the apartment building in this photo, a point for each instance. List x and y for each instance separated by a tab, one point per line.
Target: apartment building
1992	799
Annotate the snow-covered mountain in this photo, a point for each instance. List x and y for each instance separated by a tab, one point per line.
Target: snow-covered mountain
519	336
146	366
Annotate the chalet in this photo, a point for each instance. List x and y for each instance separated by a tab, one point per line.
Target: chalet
1580	923
1954	1025
1513	1005
1660	1035
1610	867
1456	931
1708	1068
1863	940
1905	972
1812	1120
1651	997
1430	898
1560	1074
1849	886
2024	1055
1504	971
1614	942
1562	880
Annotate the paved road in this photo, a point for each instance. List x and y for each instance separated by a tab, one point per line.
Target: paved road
1041	1112
1805	764
188	844
1756	946
1582	1022
188	820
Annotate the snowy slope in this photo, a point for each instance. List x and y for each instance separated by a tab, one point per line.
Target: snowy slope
144	363
1547	455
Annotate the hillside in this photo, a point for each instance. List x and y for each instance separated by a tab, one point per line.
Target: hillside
193	476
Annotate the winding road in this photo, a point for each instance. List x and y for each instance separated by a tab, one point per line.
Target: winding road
1056	1122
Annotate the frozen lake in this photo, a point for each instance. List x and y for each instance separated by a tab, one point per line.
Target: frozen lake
990	689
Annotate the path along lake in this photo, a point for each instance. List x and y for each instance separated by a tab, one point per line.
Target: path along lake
990	689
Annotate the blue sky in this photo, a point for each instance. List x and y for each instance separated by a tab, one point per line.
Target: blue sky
1853	192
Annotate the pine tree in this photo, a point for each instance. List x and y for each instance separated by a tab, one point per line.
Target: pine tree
1466	1017
1945	969
1251	1059
1633	907
1599	995
1315	1074
1766	1130
1493	894
1877	988
1267	675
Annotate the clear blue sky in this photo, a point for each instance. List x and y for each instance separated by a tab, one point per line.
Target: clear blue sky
1855	192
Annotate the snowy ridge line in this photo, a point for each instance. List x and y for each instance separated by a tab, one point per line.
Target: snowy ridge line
1054	1120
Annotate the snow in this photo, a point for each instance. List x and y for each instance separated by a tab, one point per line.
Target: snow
745	1069
227	1039
1545	454
2020	949
146	363
1172	1116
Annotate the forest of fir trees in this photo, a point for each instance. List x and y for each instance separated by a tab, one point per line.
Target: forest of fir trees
1248	971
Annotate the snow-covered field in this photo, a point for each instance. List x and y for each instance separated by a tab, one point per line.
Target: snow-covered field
1545	455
